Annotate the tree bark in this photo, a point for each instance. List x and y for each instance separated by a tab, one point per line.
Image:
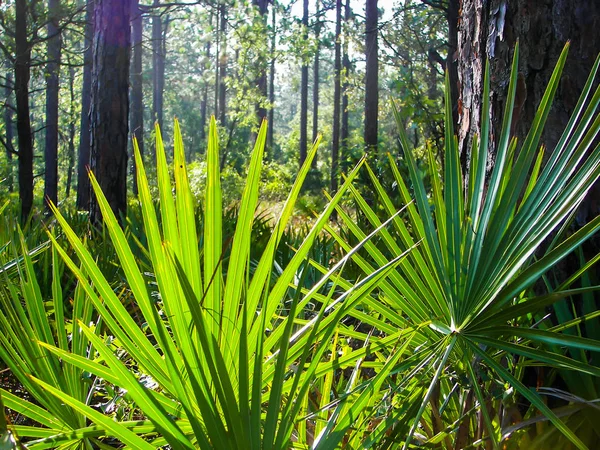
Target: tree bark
83	182
52	91
137	88
8	126
72	130
25	138
371	76
491	30
110	103
304	89
337	67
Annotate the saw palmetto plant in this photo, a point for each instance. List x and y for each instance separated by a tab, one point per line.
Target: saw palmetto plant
424	343
472	275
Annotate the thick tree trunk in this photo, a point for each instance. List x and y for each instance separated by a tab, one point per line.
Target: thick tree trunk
25	138
52	91
337	67
83	182
304	90
8	126
158	65
372	76
315	92
110	102
491	30
137	88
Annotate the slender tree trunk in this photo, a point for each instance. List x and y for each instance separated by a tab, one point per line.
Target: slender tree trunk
110	103
315	118
25	138
72	130
8	126
52	91
271	113
137	79
261	80
304	90
158	66
372	76
222	66
345	132
83	182
335	142
204	102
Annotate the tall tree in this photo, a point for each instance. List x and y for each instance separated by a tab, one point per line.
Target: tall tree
371	76
304	88
24	133
491	30
345	132
83	161
158	62
271	113
110	102
8	127
222	64
261	79
52	91
137	88
315	118
337	67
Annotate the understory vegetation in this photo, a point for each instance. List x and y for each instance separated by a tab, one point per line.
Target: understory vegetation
421	310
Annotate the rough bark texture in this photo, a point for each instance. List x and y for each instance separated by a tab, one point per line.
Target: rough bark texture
491	29
72	129
371	76
8	126
83	182
304	90
52	90
137	91
337	67
110	102
25	138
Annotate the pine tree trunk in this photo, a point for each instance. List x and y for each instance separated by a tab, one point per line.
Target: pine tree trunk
337	67
304	89
72	129
137	88
25	138
222	66
270	131
110	103
345	132
52	91
158	65
83	182
315	118
371	77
